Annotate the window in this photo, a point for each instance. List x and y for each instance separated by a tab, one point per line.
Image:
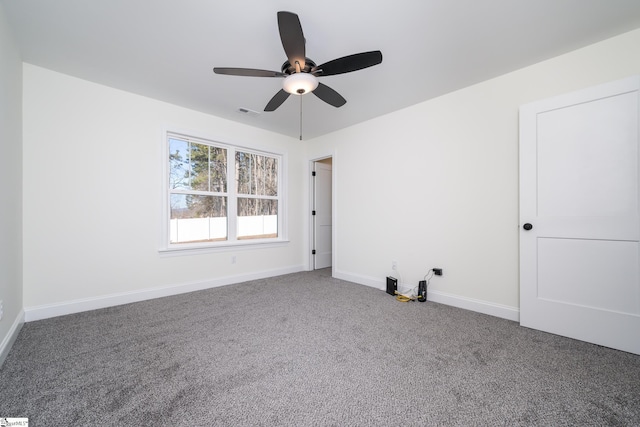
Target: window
257	188
220	195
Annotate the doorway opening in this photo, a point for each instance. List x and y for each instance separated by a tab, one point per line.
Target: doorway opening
321	196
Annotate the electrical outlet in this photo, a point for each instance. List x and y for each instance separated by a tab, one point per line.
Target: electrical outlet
394	265
233	259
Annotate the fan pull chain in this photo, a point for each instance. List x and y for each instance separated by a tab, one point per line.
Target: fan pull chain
300	117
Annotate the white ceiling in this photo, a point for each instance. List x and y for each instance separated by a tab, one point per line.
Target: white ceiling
166	49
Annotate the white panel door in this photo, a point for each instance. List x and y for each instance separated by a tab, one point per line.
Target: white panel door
579	215
322	228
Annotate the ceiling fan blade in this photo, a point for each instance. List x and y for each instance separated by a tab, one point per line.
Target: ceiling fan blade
292	38
277	100
350	63
248	72
329	95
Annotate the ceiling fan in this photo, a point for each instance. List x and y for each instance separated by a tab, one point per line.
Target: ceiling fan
301	73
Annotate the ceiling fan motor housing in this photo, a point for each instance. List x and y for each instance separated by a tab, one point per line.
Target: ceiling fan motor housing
288	68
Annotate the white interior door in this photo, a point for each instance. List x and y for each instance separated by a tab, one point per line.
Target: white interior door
322	225
579	263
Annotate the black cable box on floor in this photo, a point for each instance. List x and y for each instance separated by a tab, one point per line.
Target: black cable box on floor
392	285
422	290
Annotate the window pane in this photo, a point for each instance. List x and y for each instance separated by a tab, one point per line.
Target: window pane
243	172
199	160
269	177
257	218
256	175
178	164
218	169
196	218
194	166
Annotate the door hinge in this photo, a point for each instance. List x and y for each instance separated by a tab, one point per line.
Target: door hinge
313	252
313	173
313	212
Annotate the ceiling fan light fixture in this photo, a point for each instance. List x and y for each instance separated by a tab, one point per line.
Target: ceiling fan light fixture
300	83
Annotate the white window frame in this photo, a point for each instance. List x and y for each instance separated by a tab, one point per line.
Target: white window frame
232	243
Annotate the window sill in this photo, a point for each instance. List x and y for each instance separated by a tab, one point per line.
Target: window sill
196	249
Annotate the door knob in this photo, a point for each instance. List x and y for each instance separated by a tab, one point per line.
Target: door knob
527	226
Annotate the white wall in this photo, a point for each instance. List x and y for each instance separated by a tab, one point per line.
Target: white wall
92	198
437	183
11	181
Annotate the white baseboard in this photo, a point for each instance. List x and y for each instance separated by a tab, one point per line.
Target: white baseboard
76	306
10	338
362	280
485	307
85	304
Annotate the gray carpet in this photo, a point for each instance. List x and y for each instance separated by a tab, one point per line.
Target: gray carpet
306	349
